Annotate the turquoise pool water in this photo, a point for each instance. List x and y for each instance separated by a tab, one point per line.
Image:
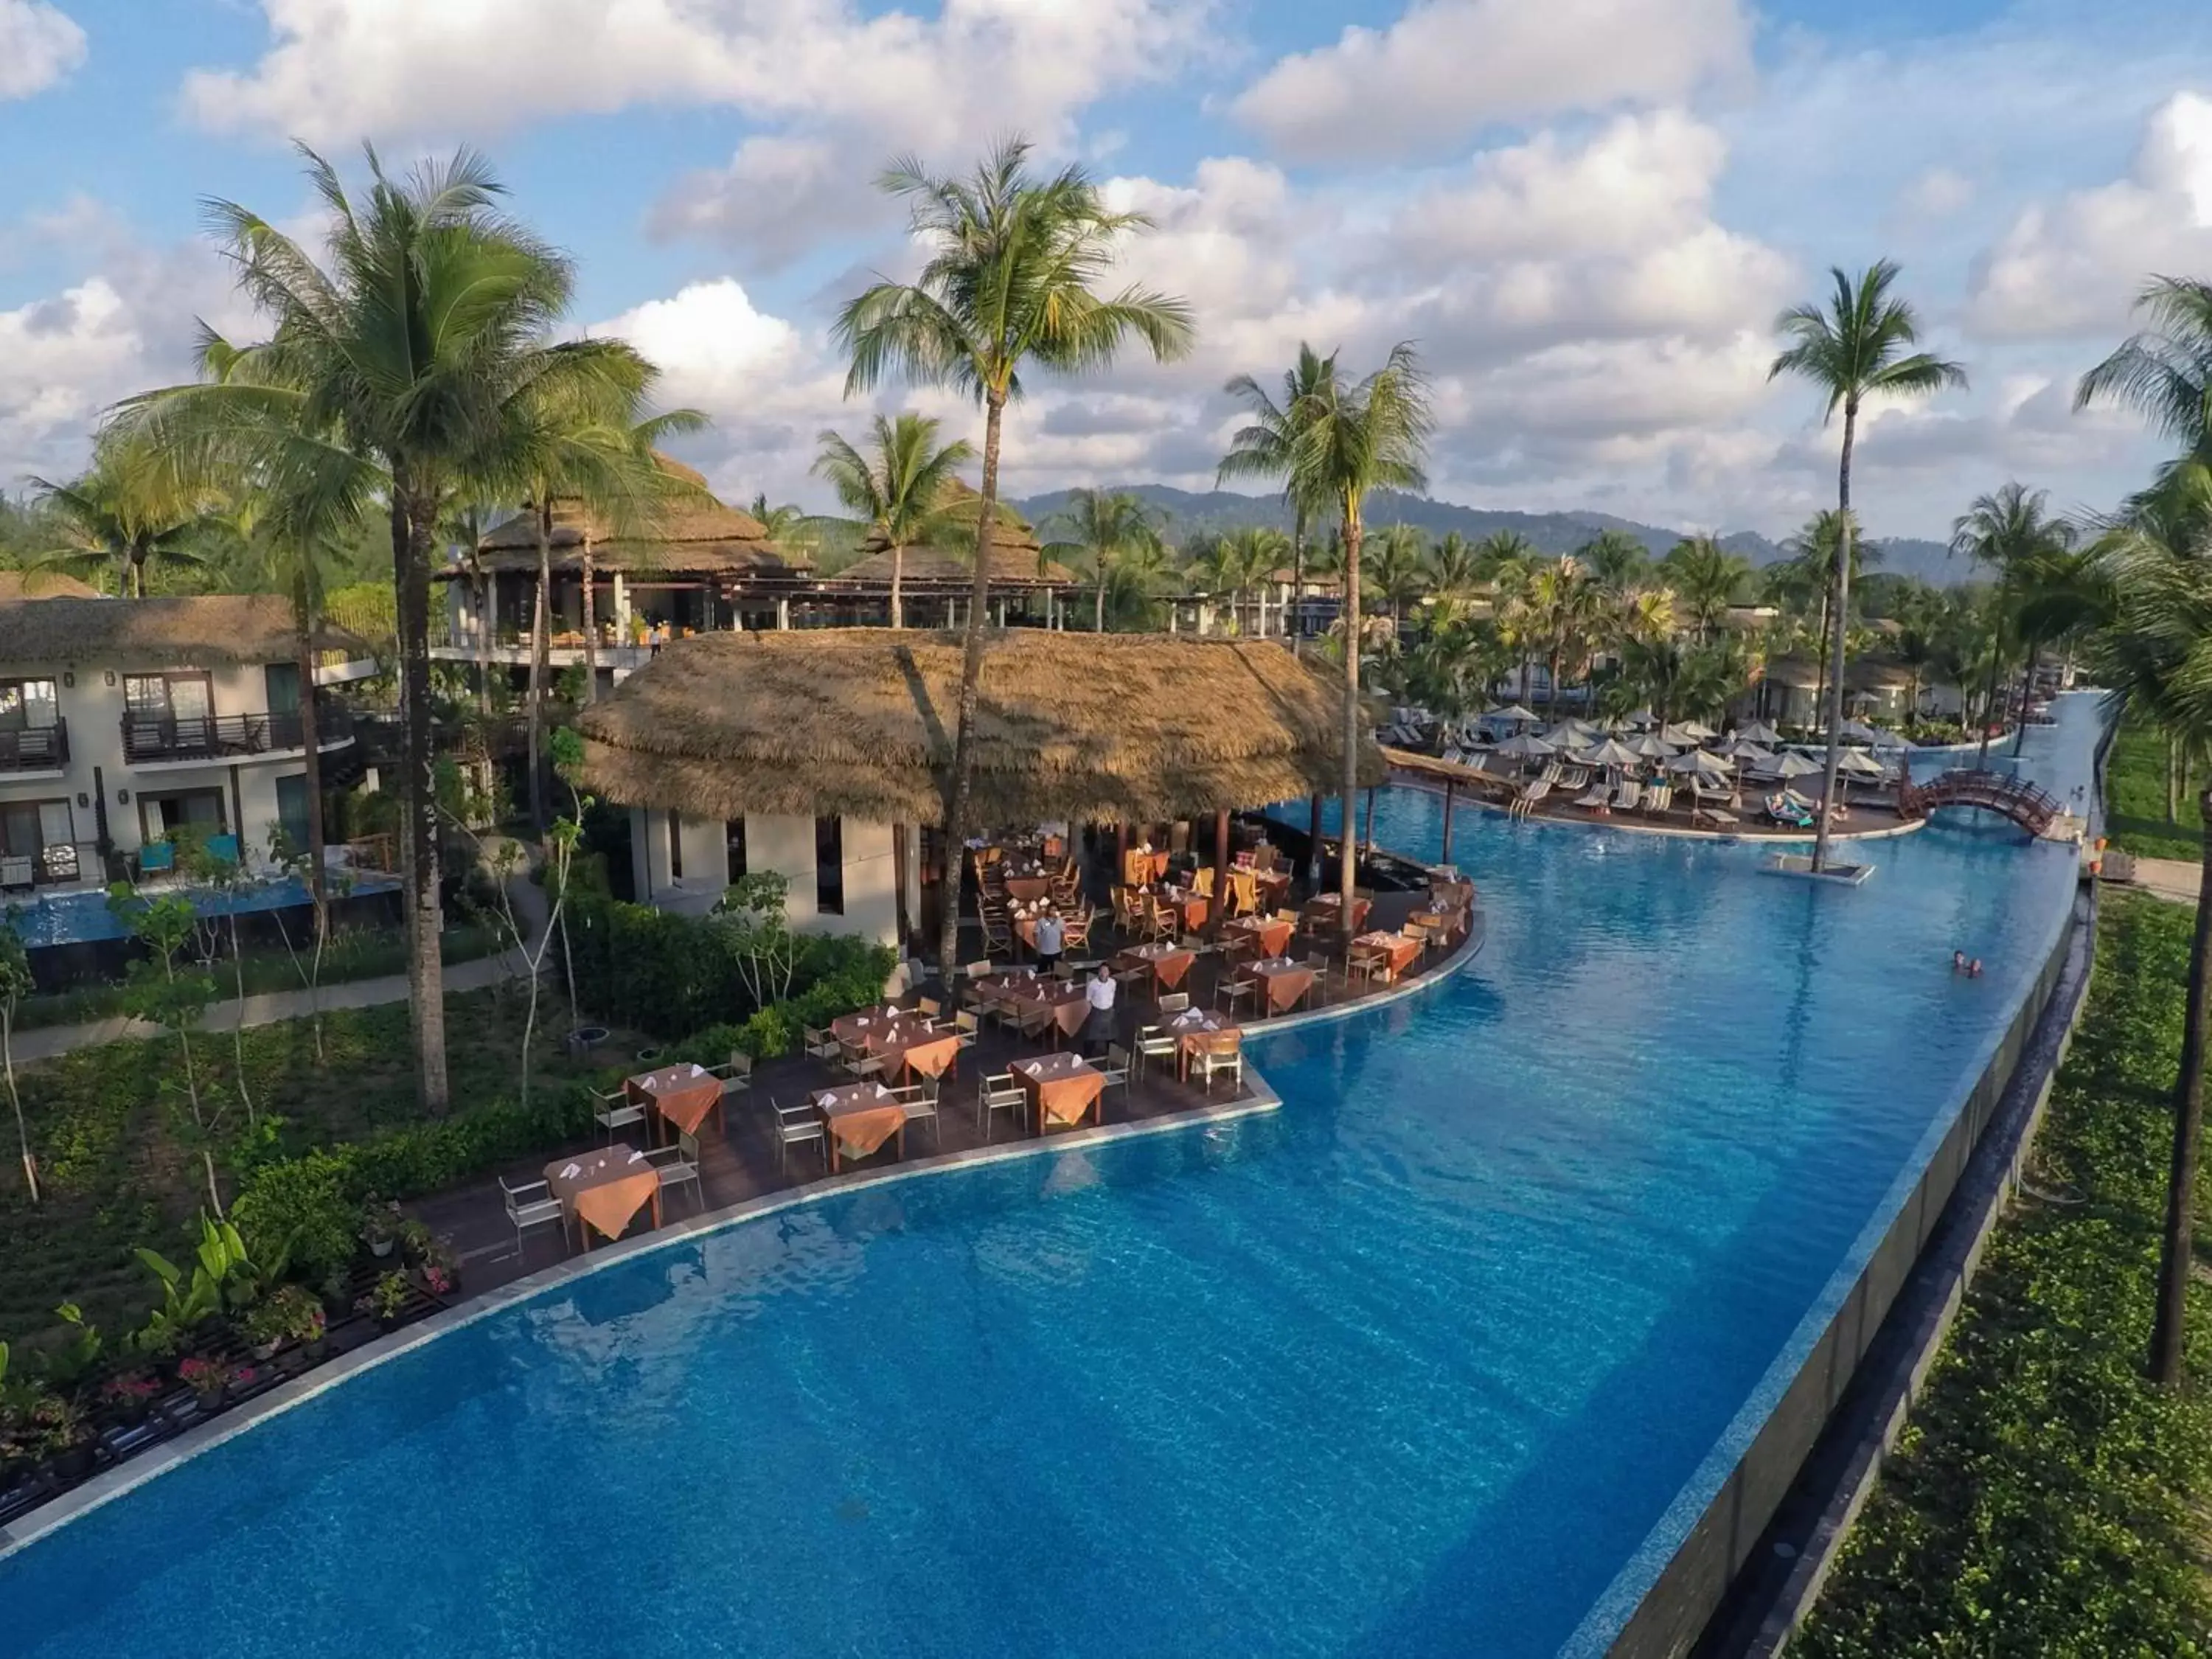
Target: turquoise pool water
1434	1360
79	918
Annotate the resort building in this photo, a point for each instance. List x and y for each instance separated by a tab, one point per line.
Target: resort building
122	719
824	757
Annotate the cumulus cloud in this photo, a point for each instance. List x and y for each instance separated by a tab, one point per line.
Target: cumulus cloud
2072	265
1448	68
39	44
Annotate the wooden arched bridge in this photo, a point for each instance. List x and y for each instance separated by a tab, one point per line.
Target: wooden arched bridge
2029	807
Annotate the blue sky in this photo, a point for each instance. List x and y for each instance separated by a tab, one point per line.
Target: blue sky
1586	211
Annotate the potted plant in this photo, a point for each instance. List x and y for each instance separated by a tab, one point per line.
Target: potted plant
207	1379
58	1433
130	1396
436	1268
384	1300
289	1313
379	1227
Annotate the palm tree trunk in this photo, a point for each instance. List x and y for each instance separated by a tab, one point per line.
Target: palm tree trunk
541	663
485	579
1298	576
898	579
1821	673
304	650
2026	691
1098	621
1350	864
1988	709
1842	610
2177	1255
412	517
591	628
971	679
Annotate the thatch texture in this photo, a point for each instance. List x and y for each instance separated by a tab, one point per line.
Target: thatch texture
1017	556
43	585
859	723
201	630
700	537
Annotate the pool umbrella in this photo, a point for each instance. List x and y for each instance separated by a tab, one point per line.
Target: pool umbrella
1611	752
1680	736
1512	714
1758	731
1746	752
1794	765
1640	719
1647	747
1698	760
1863	766
1572	733
1525	746
1857	732
1698	730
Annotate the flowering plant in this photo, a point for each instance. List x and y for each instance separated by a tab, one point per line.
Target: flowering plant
204	1377
129	1388
436	1279
384	1299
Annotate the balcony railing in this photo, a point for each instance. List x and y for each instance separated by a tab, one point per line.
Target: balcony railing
56	864
222	737
35	748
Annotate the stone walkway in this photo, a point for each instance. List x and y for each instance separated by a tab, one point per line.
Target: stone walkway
2176	880
266	1008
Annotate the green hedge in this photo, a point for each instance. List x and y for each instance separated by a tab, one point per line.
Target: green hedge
2046	1499
654	972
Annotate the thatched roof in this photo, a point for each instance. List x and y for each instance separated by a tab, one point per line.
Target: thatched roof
200	630
43	585
1017	556
1859	674
859	723
699	536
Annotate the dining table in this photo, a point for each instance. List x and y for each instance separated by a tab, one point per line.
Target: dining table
681	1095
1063	1088
1167	964
1282	980
1389	954
1269	935
1192	1028
860	1117
1028	890
603	1191
1188	906
1327	909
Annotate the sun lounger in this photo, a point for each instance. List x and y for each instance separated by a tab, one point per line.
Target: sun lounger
1596	799
1630	794
1527	801
1719	817
1658	798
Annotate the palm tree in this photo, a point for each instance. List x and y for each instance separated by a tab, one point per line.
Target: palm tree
898	487
2165	372
1707	577
2156	654
1398	566
1617	559
1353	438
402	369
1106	526
1264	449
1013	259
128	513
2008	532
1455	571
1856	349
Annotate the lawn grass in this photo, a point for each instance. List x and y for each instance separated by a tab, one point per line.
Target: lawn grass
117	1174
2134	799
2046	1499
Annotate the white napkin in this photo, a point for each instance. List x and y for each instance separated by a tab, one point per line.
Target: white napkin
572	1172
637	1157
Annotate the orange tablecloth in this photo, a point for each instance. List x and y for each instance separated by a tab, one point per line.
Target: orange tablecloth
1281	983
683	1095
1324	910
861	1117
1168	962
928	1055
1192	1028
1271	936
1139	867
1061	1087
1190	907
1394	951
605	1190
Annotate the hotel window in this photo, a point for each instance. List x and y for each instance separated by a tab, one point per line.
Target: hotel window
829	866
675	845
734	838
28	705
168	697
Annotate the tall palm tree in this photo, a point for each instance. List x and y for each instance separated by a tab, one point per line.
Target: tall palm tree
2008	532
1106	526
2156	654
1352	438
897	488
400	369
1455	572
128	513
1616	559
1707	577
1013	261
1398	566
1857	349
1264	448
2165	372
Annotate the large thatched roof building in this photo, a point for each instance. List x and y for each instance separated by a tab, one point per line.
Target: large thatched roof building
698	536
859	723
199	630
1017	560
43	585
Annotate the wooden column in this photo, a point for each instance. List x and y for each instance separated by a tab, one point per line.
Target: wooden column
1446	858
898	884
1313	846
1370	837
1218	912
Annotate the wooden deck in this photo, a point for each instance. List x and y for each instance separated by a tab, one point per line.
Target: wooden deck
739	1159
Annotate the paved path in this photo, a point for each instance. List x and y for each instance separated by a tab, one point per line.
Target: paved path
2176	879
266	1008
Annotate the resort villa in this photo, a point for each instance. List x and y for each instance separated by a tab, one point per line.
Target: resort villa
122	720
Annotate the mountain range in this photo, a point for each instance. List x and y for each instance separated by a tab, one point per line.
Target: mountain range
1186	513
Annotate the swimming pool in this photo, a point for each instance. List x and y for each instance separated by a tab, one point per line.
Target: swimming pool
83	918
1417	1365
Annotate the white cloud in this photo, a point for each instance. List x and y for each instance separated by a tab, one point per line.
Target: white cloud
62	359
1936	194
2072	266
39	44
1448	68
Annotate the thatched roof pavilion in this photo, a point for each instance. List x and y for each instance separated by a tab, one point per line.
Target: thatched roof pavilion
1017	560
859	723
43	585
697	536
198	630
